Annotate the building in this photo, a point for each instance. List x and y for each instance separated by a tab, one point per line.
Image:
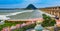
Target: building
52	10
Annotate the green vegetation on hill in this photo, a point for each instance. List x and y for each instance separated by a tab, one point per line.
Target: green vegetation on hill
31	6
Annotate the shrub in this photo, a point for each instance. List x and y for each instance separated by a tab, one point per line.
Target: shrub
26	27
9	23
47	21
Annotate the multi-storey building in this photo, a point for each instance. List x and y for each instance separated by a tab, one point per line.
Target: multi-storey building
52	10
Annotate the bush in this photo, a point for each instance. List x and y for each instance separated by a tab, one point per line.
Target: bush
48	21
15	22
26	27
10	23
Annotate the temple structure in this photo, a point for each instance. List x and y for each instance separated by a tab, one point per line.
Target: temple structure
52	10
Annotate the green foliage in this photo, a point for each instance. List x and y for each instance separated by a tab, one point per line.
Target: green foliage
26	27
16	22
0	20
31	6
9	23
21	29
48	21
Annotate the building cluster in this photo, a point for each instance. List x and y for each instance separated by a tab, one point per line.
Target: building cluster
52	10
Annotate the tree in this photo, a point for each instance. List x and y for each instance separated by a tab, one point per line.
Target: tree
47	21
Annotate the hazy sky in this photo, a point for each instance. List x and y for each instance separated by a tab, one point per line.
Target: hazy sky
25	3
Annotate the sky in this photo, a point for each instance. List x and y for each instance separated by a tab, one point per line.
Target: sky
25	3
